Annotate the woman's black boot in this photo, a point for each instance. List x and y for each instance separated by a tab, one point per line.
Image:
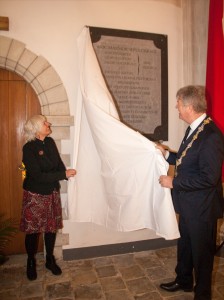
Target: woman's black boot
52	266
31	243
50	238
31	268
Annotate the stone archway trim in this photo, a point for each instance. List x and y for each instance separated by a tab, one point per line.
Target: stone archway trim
38	72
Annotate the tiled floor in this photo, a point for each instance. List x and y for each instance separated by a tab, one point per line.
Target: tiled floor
120	277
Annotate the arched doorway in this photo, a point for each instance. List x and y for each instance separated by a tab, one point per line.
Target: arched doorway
49	90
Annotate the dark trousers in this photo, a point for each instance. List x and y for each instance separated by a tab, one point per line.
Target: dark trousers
31	243
195	253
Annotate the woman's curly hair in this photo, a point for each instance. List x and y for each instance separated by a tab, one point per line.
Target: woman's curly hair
33	126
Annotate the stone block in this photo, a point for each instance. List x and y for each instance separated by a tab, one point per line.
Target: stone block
56	94
38	66
60	133
58	252
15	51
25	60
63	186
61	120
42	96
5	43
45	110
66	159
61	108
57	142
10	64
2	61
62	239
48	78
36	85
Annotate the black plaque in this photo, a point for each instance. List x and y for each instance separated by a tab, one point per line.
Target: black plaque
135	68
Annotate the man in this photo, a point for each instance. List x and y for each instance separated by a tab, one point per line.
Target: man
197	193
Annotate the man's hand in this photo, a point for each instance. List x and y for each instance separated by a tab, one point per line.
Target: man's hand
166	181
162	148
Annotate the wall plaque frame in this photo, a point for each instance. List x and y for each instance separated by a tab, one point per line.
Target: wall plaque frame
135	68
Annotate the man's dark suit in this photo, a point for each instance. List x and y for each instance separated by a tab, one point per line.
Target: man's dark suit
198	199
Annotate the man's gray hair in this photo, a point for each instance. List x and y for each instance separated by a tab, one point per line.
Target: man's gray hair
194	95
33	126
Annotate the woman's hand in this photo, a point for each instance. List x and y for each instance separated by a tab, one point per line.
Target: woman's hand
70	173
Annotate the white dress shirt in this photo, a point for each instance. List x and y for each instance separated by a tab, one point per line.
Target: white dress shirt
193	126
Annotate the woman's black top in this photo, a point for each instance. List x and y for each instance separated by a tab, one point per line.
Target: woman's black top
44	167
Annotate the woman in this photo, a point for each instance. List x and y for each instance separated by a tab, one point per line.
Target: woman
41	210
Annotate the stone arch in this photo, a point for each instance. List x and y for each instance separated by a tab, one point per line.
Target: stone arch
39	73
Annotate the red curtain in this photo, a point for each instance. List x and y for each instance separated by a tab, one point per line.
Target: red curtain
215	64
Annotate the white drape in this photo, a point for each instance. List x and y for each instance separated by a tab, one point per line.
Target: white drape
117	168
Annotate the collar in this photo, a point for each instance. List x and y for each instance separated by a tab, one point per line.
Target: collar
196	122
39	142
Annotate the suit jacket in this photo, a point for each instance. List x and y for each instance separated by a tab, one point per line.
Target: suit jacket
197	188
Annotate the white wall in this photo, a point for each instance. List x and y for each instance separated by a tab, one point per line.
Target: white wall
50	28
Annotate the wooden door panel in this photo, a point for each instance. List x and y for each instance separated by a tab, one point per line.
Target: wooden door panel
18	101
17	115
32	105
4	75
4	163
13	76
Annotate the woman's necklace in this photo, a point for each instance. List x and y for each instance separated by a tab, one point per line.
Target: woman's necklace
200	129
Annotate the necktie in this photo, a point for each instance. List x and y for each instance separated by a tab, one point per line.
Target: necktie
186	133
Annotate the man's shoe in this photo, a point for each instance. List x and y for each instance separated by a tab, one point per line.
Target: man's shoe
173	286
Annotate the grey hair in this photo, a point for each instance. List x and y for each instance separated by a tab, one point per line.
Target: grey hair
33	126
194	95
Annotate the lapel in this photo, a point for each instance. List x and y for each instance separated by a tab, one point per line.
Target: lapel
184	145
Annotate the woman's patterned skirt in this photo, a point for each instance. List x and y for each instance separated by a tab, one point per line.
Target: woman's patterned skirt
41	213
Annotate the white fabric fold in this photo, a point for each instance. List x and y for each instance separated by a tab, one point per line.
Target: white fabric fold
117	168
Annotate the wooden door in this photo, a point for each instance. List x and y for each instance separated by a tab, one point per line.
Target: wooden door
18	101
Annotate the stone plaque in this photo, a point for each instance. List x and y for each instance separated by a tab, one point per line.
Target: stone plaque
134	65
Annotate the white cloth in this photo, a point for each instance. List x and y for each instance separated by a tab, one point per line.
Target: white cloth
117	168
